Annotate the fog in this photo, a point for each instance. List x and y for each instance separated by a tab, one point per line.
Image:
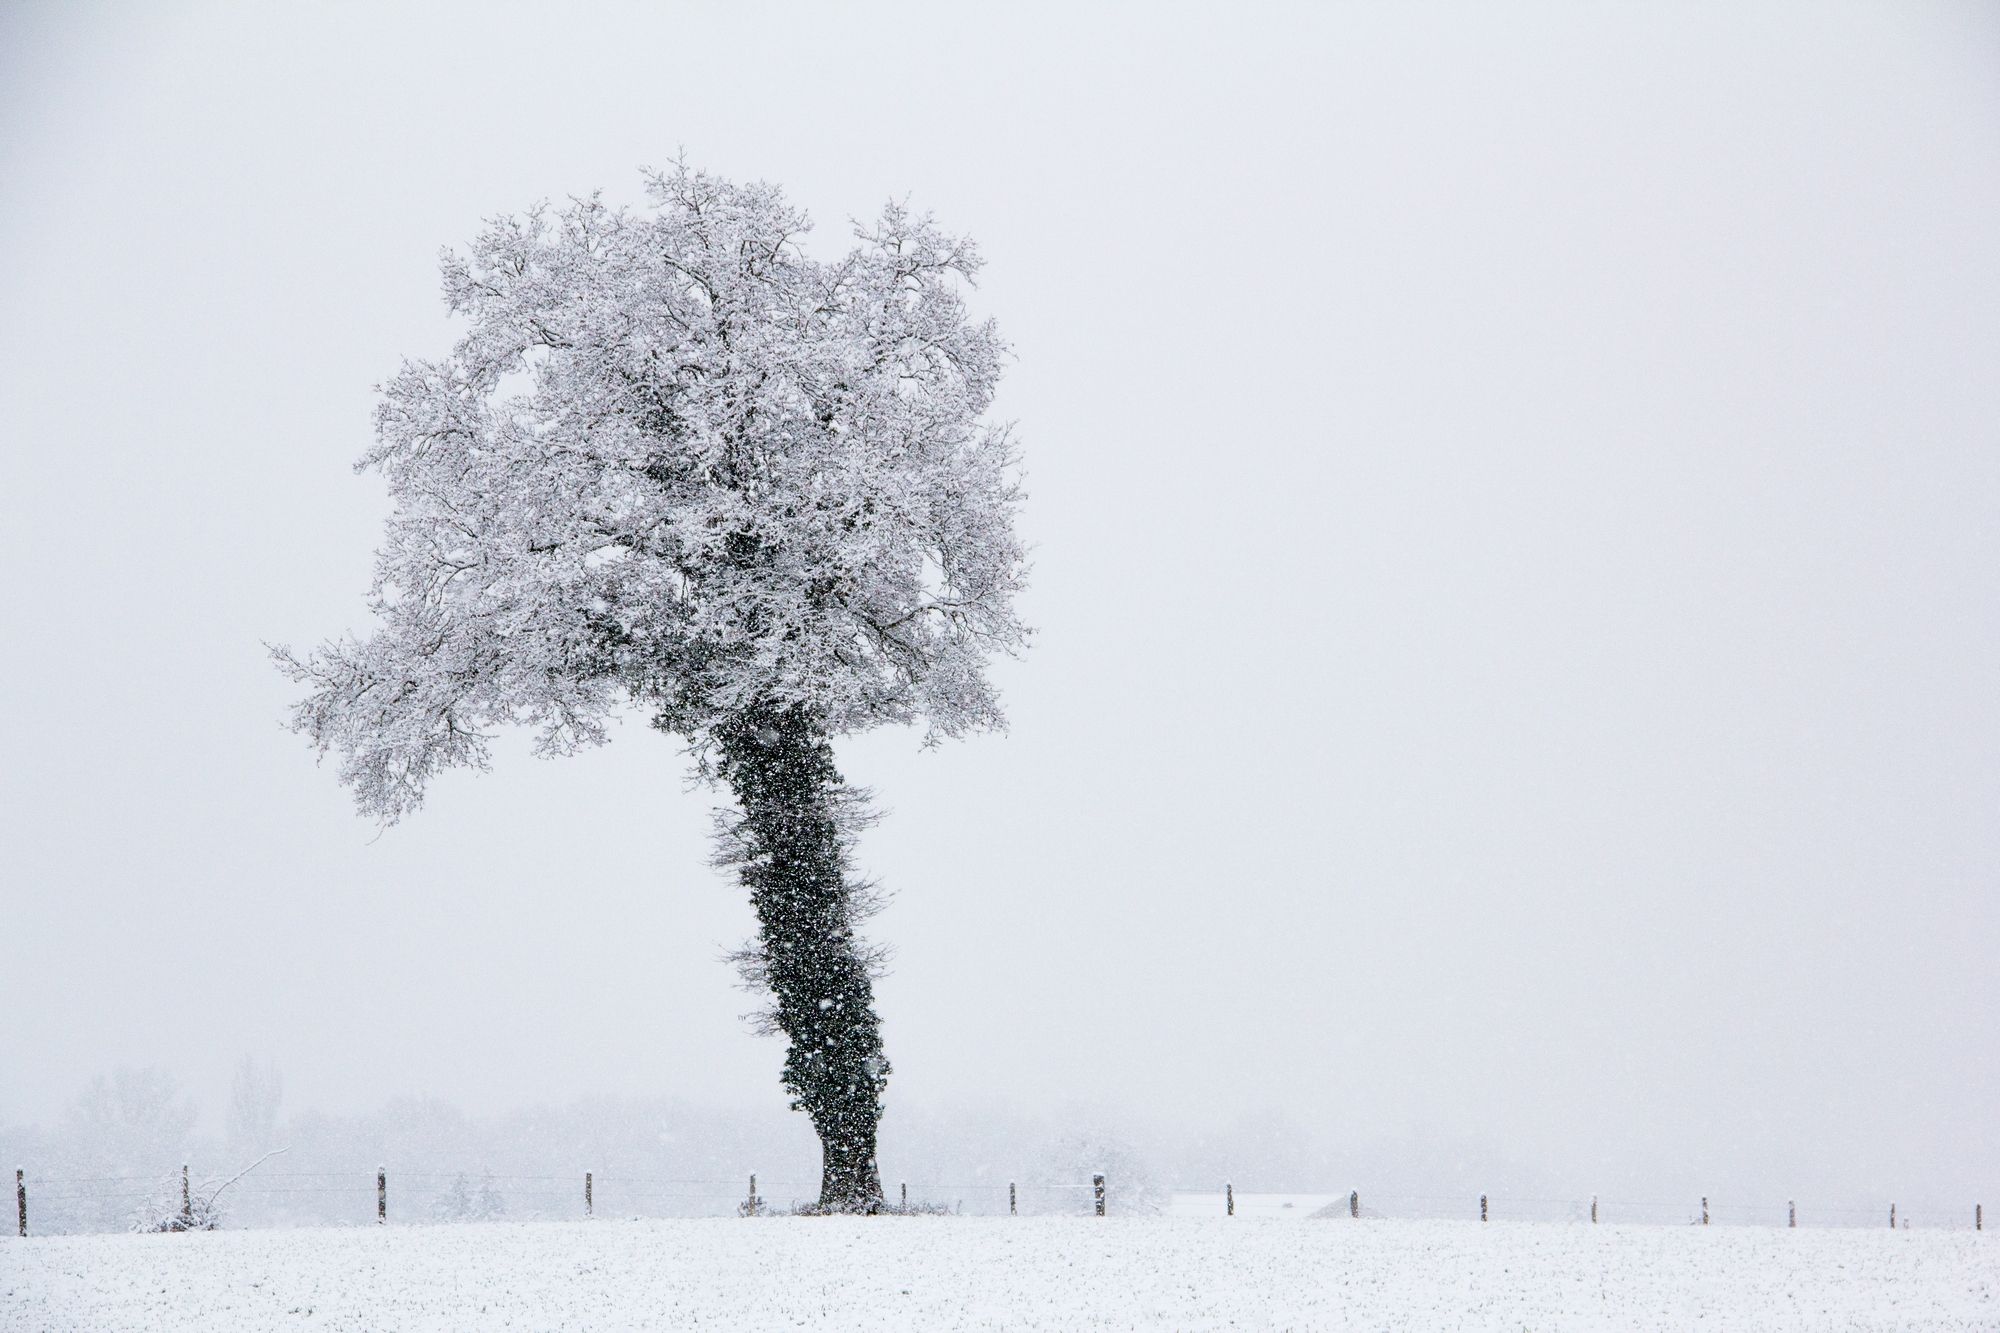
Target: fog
1514	504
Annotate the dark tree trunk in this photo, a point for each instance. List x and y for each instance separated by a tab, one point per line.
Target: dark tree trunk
789	843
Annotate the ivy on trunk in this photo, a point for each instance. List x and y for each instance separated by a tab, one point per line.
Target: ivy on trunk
789	842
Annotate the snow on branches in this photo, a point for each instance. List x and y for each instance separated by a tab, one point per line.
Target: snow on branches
675	462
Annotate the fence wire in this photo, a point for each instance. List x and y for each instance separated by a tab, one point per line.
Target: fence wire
441	1195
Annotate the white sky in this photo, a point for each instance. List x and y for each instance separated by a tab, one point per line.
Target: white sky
1515	505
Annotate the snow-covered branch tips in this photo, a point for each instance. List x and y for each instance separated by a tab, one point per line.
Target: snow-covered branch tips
675	463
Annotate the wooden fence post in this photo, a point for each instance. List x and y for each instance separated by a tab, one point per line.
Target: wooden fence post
750	1208
1013	1204
1892	1217
1097	1188
187	1203
1482	1207
1704	1210
906	1196
1792	1213
381	1196
1229	1199
21	1196
587	1201
1593	1208
1978	1217
1354	1203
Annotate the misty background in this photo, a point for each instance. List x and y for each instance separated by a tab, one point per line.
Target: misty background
1514	505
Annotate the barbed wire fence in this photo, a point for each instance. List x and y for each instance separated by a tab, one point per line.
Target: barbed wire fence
65	1204
1596	1209
442	1195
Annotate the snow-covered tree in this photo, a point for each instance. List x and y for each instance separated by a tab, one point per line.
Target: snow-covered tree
677	464
488	1205
1132	1180
459	1202
133	1115
455	1204
130	1122
255	1094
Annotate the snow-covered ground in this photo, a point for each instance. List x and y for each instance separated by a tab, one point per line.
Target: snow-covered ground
993	1273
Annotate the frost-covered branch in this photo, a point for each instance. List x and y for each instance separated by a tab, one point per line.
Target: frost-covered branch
736	475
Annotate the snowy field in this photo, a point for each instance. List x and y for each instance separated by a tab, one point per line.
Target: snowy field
995	1273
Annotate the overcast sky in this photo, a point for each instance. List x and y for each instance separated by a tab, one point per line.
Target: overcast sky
1516	512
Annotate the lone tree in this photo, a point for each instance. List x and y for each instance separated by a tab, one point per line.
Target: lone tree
676	464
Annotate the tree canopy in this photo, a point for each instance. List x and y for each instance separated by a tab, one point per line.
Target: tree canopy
677	463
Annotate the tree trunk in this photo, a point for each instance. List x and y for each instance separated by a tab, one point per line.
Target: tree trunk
789	844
